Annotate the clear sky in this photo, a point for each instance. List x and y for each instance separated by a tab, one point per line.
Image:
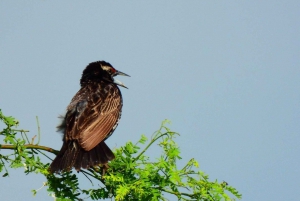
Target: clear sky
226	73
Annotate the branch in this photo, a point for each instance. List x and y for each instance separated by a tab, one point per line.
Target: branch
15	130
30	146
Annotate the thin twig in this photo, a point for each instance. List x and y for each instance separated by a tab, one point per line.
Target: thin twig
4	164
22	136
20	130
26	137
84	173
44	154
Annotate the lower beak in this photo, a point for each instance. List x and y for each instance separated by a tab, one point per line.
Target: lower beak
117	82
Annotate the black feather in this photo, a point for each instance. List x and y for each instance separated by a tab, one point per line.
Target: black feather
91	118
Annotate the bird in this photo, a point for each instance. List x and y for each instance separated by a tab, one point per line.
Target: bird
91	117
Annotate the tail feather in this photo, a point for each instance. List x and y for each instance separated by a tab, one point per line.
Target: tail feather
106	150
72	155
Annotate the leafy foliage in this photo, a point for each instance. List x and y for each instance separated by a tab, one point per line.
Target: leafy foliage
131	176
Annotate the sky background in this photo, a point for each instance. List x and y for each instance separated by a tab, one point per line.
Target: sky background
226	73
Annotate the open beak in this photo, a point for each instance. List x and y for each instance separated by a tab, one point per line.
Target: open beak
117	82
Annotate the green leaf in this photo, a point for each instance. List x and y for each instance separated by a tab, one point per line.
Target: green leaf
133	175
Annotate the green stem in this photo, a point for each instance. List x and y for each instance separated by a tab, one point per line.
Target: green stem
187	165
39	130
152	141
177	193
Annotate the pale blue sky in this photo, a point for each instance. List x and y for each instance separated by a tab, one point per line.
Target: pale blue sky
225	73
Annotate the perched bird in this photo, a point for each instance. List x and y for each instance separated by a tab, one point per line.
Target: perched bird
91	117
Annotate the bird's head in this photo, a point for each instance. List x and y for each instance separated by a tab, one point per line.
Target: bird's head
101	70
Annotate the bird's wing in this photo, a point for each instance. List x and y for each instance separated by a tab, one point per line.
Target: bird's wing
94	117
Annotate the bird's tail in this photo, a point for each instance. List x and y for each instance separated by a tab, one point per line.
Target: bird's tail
72	155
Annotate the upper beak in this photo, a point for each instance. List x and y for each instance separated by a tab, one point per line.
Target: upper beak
117	82
120	73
